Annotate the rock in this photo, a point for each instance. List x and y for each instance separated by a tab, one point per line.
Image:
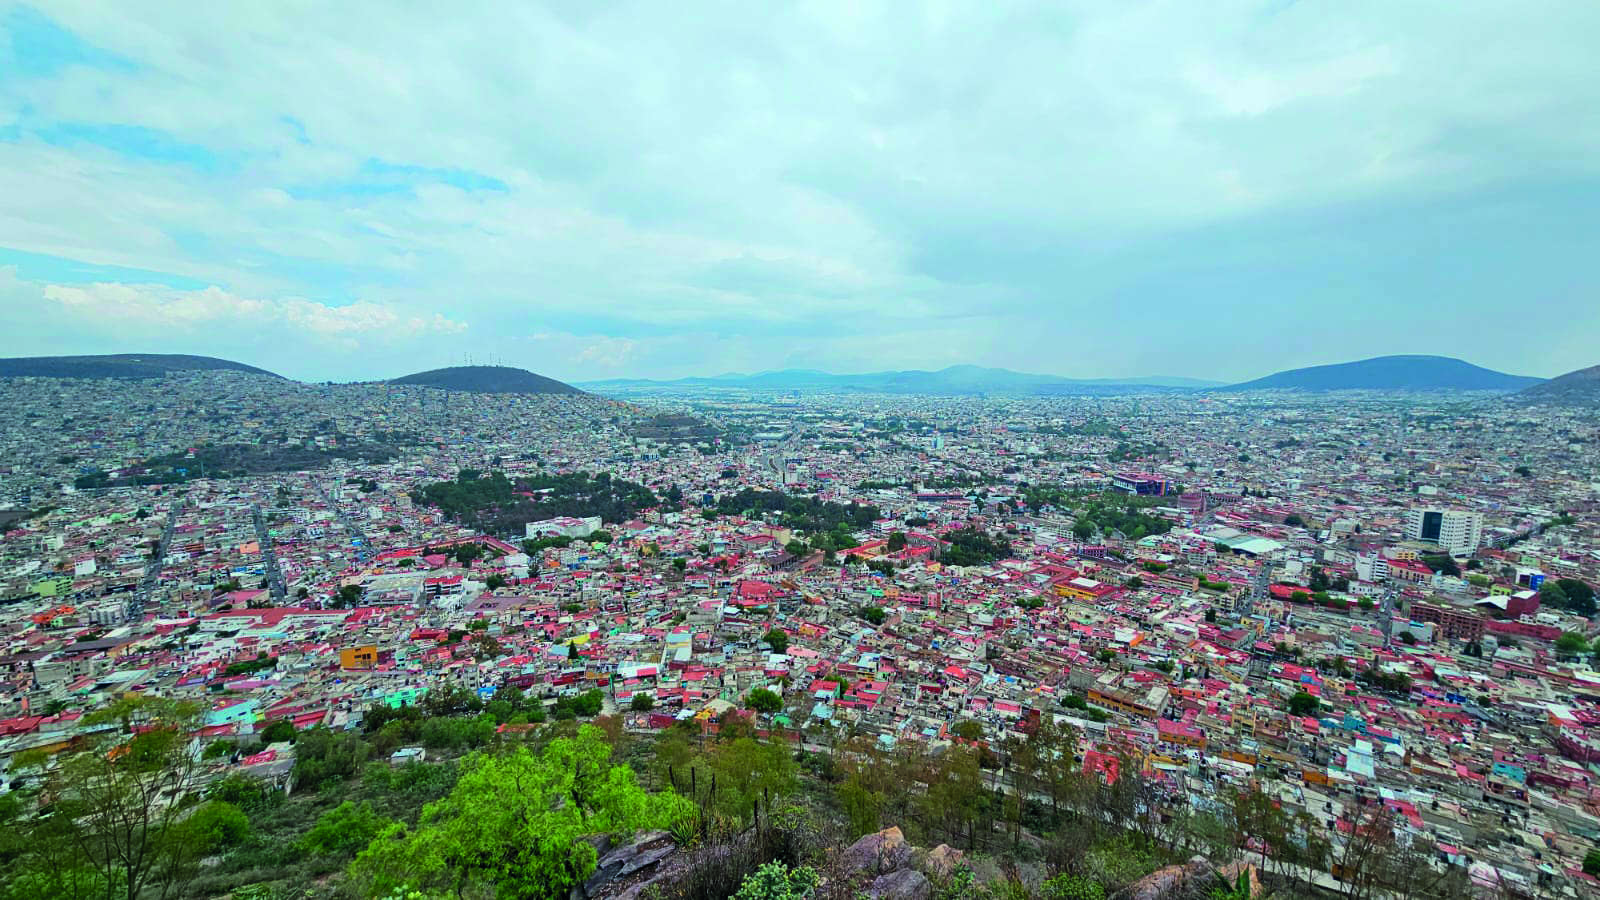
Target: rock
1172	881
618	866
941	861
882	851
1230	873
902	884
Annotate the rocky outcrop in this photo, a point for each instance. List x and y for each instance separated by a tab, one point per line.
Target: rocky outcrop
1194	878
624	871
883	865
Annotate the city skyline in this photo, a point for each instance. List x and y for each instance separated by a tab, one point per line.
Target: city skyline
620	193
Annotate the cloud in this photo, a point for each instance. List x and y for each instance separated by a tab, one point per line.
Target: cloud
150	306
835	184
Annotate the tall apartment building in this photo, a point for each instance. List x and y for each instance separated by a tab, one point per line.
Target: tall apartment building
1455	530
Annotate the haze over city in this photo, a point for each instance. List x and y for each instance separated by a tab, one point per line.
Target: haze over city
606	190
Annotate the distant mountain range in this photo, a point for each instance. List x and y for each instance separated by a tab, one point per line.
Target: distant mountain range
1391	373
954	380
487	380
1580	388
119	365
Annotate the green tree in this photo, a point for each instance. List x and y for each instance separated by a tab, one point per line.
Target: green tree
642	702
1571	644
349	595
897	541
747	768
1591	862
510	827
278	731
968	728
114	825
1083	530
1303	704
1579	596
777	639
763	700
495	582
216	826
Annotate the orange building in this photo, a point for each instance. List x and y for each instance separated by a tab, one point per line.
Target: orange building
358	658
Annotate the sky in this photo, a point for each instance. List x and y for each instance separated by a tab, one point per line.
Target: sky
596	190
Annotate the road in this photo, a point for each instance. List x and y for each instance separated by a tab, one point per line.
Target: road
152	571
344	519
269	555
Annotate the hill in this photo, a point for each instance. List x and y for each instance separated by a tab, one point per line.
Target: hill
1580	388
1390	373
953	380
487	380
119	365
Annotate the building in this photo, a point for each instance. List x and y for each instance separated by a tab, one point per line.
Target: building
1455	530
563	526
1456	624
1140	483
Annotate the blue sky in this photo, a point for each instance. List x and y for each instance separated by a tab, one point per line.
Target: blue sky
595	190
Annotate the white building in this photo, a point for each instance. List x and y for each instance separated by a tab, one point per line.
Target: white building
1457	531
566	526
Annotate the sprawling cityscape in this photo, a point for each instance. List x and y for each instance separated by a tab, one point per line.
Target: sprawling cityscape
799	451
1366	606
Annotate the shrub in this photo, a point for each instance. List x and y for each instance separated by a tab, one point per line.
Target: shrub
776	881
344	830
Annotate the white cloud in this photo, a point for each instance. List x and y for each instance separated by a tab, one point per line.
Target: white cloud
834	171
147	306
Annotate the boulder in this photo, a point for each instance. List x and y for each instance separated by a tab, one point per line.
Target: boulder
1172	881
882	851
941	862
628	865
901	884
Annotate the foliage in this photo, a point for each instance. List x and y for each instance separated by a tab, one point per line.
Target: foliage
1071	887
776	881
872	613
777	639
250	666
495	504
1441	562
1571	643
109	827
763	700
1303	704
820	518
971	547
278	731
511	825
344	830
216	826
1569	594
323	755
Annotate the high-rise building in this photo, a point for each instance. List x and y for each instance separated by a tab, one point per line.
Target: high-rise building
1455	530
